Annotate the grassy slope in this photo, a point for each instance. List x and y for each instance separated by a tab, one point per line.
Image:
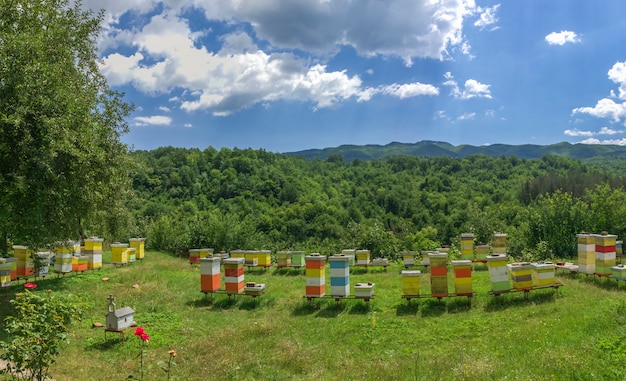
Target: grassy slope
575	334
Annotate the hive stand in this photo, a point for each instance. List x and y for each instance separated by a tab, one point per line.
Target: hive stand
527	290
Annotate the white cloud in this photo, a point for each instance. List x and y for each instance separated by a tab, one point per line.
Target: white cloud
164	109
441	114
410	90
487	17
472	88
160	120
617	74
188	125
605	108
609	131
618	142
562	37
467	116
577	132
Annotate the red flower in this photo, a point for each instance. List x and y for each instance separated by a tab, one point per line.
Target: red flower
145	337
140	331
30	286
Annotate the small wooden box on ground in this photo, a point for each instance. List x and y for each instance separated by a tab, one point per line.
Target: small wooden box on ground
119	253
618	272
364	290
254	289
139	244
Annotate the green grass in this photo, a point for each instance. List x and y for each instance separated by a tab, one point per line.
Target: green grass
574	334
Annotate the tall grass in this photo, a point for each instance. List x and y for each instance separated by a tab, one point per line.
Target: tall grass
574	334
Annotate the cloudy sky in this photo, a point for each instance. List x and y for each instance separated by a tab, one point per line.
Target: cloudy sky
288	75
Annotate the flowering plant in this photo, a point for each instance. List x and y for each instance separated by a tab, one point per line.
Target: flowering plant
30	286
145	338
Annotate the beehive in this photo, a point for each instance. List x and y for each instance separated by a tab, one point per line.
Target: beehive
619	251
618	272
194	256
251	258
283	259
482	251
234	275
83	262
425	257
362	258
586	253
265	258
132	255
139	244
206	252
254	289
364	290
543	274
339	275
210	274
351	254
237	254
498	243
63	262
297	259
67	247
438	274
5	273
12	261
93	251
467	246
498	272
42	264
25	264
462	277
119	253
315	271
605	253
411	282
408	258
521	275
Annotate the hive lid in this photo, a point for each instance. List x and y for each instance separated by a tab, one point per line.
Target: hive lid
411	272
461	262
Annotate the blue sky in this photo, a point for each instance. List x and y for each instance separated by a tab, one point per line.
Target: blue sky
289	75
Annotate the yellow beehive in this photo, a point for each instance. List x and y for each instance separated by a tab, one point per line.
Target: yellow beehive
265	258
411	282
251	258
119	253
362	257
408	257
283	259
462	277
5	273
605	253
237	254
498	272
482	251
12	261
467	246
93	251
543	274
498	243
132	255
438	274
67	247
194	256
140	246
206	252
25	264
586	253
426	257
521	275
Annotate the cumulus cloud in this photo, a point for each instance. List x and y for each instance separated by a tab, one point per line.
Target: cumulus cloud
487	17
155	120
164	109
617	74
617	142
467	116
410	90
562	37
605	108
471	89
577	132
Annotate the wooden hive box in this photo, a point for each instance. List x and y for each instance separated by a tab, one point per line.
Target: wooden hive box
210	274
234	275
543	274
618	272
140	246
254	289
462	276
586	253
283	259
605	253
315	272
132	255
339	275
364	290
498	272
43	263
521	275
5	273
297	259
194	256
467	246
119	253
265	258
408	258
411	282
363	257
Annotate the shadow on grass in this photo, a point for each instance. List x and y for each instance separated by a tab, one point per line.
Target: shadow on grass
602	282
407	308
256	270
332	310
360	307
433	307
205	301
307	308
224	302
110	342
355	270
515	299
459	304
288	271
250	303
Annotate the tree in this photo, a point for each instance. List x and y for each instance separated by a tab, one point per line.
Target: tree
61	160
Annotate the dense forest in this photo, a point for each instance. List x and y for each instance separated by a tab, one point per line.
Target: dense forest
253	199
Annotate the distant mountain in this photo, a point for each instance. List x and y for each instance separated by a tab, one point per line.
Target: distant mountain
428	148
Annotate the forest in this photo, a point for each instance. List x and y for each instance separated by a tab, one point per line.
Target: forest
253	199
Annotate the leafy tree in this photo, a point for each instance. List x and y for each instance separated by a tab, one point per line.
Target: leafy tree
61	160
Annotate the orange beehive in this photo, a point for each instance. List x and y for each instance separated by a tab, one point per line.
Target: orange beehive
233	275
210	275
315	265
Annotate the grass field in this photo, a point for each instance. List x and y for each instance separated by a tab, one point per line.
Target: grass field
576	333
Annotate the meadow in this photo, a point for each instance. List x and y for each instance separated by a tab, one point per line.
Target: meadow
575	333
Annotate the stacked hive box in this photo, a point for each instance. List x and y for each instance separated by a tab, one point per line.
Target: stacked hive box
297	259
411	282
42	264
462	277
408	257
233	275
586	253
467	246
482	251
618	272
139	244
362	258
364	290
206	252
93	251
5	273
426	257
12	261
238	254
119	253
543	274
438	274
498	272
80	263
194	256
210	274
351	254
251	258
315	266
339	275
265	258
498	243
605	253
283	259
25	264
64	252
521	274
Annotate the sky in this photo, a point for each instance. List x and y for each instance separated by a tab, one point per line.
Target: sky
290	75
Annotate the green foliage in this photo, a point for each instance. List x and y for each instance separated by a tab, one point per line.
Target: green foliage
61	160
36	331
